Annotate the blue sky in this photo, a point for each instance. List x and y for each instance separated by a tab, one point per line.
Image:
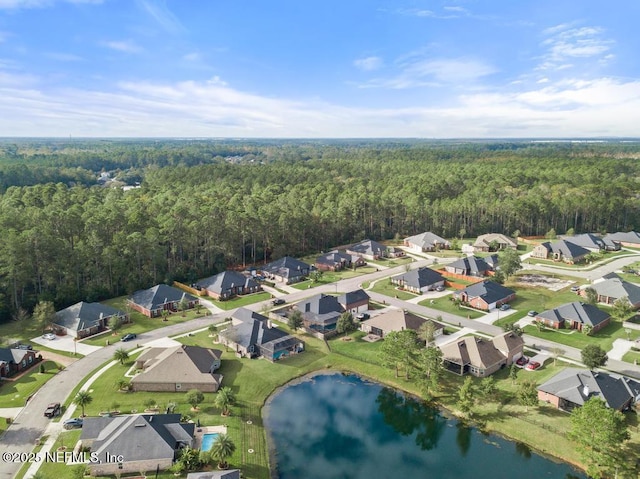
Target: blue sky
306	68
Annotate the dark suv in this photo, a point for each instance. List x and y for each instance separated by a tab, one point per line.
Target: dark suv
52	410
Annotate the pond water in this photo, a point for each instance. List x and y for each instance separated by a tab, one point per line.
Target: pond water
335	426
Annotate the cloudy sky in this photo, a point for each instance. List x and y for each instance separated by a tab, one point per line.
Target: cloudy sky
329	68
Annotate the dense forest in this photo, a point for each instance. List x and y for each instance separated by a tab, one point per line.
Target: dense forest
203	205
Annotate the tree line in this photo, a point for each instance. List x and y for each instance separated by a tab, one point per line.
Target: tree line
67	240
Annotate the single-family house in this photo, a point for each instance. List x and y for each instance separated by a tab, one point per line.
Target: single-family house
228	284
469	266
178	368
354	301
337	261
287	270
153	301
372	250
613	288
145	442
13	361
253	335
630	238
588	241
85	319
494	242
419	280
481	357
397	320
572	387
485	295
320	313
575	315
561	250
426	242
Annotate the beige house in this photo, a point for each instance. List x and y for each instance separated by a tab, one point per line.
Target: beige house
494	242
397	320
180	368
481	357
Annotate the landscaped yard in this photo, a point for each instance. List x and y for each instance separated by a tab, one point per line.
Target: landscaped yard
446	305
15	393
603	338
243	300
329	277
632	357
384	286
140	323
390	262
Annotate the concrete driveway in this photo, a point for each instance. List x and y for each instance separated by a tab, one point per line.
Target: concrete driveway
66	343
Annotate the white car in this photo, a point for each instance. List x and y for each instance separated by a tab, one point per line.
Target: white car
49	336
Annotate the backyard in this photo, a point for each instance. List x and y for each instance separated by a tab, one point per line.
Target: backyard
447	305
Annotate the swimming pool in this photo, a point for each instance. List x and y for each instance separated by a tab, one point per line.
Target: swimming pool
208	440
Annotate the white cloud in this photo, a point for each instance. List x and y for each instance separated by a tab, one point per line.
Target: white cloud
368	63
567	44
126	46
159	11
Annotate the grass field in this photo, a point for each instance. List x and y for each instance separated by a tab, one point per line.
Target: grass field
603	338
329	277
445	305
384	286
15	393
239	301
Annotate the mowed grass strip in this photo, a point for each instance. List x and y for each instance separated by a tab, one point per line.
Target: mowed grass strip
15	393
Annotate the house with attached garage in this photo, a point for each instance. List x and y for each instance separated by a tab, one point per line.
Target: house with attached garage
612	288
494	242
630	238
85	319
576	315
337	261
479	356
426	242
179	368
286	270
253	335
485	295
153	301
561	250
572	387
145	442
354	301
228	284
469	266
419	280
320	313
372	250
593	243
397	320
14	361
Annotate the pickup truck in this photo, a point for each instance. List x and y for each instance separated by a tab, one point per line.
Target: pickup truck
52	410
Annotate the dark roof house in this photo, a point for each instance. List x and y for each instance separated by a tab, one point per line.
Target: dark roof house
354	301
397	320
287	270
575	315
85	319
613	288
469	266
227	284
320	312
419	280
485	295
588	241
560	250
630	238
572	387
151	302
337	260
14	361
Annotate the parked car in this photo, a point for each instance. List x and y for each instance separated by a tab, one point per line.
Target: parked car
522	360
53	410
49	336
532	313
362	316
278	301
505	307
440	288
533	365
129	336
575	289
72	423
24	346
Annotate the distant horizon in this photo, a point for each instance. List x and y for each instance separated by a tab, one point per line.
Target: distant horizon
441	69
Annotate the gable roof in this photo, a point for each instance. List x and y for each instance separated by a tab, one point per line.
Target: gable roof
472	264
179	364
369	248
507	342
581	312
353	297
286	267
578	385
618	288
567	249
137	437
320	309
420	278
253	330
486	240
334	257
472	350
159	295
225	281
628	237
489	291
586	240
399	320
81	316
8	355
427	240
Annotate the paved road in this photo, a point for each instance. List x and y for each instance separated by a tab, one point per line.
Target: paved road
30	424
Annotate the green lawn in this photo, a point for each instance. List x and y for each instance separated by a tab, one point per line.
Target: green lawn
604	258
632	357
446	305
243	300
603	338
384	286
329	277
391	262
140	323
15	393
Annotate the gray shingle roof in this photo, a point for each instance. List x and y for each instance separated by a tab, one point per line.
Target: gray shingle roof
586	240
225	281
567	249
420	278
471	264
581	312
81	316
16	356
334	257
154	298
321	309
253	331
629	237
617	288
353	297
427	240
569	384
490	291
369	248
287	267
228	474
